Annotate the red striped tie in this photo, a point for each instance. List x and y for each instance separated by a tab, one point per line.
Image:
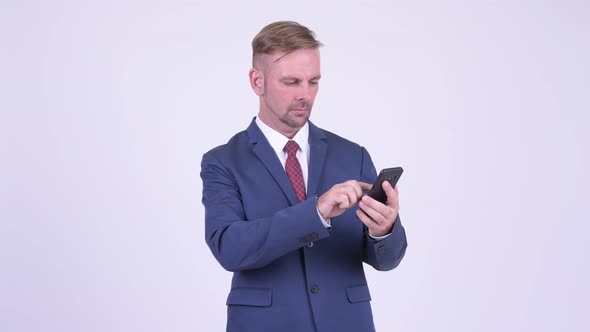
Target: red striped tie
293	169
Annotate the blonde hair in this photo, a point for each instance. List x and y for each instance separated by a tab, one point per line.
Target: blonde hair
283	36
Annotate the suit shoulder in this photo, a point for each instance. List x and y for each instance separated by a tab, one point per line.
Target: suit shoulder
337	140
235	142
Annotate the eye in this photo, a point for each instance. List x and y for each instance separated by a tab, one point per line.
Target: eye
314	82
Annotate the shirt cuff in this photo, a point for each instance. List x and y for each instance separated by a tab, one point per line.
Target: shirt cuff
327	222
378	238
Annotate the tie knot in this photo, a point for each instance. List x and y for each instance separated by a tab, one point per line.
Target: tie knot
291	147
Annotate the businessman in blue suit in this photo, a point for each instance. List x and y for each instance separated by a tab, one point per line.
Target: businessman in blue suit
284	204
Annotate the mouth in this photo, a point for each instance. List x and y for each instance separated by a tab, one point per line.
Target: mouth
300	111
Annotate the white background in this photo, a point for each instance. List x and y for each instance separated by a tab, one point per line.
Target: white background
108	106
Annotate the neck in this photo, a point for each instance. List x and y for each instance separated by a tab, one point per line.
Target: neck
281	128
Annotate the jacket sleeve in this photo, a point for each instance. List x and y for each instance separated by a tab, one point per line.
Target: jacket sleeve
239	244
385	254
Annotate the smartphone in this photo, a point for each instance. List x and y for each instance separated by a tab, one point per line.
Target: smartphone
388	174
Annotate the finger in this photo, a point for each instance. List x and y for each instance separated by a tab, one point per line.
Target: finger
377	216
375	205
365	186
358	189
343	201
365	219
373	228
352	196
392	194
353	190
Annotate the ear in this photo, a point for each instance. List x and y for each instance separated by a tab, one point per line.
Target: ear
257	81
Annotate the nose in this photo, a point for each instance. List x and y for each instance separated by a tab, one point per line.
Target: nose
306	92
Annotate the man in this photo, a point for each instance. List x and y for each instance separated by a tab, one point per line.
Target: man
281	204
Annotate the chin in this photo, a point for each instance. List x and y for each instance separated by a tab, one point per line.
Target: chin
298	122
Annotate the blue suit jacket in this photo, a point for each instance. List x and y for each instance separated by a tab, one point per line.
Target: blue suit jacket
290	272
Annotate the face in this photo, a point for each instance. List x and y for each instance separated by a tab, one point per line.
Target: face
287	85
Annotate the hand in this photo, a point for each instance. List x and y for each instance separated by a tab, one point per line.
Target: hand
378	217
341	197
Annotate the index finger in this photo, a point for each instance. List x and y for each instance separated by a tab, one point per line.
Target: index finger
365	186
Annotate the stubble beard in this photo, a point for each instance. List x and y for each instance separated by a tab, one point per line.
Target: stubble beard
296	121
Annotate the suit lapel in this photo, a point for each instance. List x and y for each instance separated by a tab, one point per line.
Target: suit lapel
269	159
317	158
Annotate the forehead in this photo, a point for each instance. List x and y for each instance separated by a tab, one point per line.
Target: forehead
299	62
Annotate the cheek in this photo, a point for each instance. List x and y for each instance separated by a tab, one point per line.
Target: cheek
278	91
279	98
284	95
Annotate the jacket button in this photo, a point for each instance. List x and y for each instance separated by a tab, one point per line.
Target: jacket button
381	249
315	288
309	245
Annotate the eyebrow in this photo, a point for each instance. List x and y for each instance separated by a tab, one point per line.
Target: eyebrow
289	78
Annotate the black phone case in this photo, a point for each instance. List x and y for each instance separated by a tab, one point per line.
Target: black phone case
388	174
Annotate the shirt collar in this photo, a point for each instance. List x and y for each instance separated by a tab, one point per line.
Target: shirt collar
278	141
